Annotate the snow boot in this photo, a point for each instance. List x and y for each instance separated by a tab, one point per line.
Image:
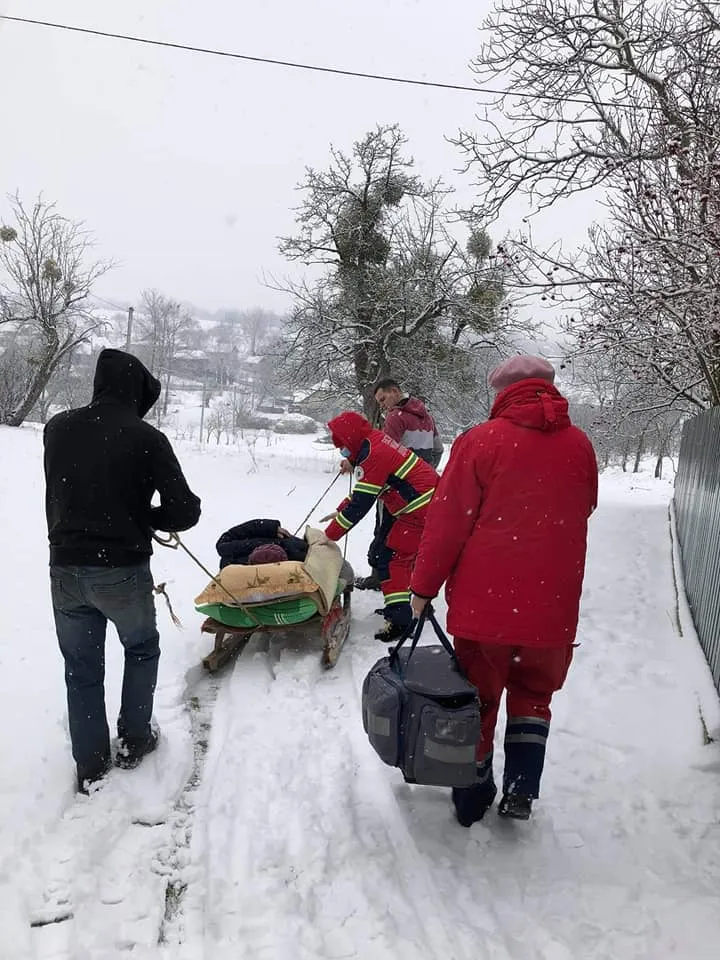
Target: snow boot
86	778
368	583
131	750
515	806
472	803
391	631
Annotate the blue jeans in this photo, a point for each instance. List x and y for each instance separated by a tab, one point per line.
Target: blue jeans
84	599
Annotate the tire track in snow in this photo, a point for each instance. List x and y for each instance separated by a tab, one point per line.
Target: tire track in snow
175	856
447	932
94	882
302	850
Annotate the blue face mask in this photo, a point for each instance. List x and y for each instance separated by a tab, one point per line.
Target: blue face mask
344	452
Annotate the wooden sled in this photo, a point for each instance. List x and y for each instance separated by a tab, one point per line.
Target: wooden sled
231	641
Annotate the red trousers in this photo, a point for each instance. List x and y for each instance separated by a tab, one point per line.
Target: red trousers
395	565
399	570
530	675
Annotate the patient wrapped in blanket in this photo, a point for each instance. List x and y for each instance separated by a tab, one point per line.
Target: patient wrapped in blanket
236	544
269	576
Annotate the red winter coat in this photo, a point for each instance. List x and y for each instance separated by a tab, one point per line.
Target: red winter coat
507	528
400	479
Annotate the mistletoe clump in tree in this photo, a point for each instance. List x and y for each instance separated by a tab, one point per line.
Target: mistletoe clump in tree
393	291
45	284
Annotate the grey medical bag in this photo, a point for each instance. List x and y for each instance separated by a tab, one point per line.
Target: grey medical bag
421	714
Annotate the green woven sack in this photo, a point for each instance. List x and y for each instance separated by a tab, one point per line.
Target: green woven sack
279	613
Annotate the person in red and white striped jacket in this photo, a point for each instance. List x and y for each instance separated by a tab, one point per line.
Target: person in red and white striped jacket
408	422
404	484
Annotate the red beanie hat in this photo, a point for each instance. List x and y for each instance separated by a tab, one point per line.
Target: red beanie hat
520	368
268	553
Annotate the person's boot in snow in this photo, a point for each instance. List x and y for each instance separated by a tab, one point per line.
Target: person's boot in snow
515	806
131	750
368	583
472	803
86	778
391	631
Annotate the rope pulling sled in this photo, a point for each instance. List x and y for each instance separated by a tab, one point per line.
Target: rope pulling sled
230	640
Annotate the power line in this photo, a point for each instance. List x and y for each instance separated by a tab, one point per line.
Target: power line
109	303
243	56
228	54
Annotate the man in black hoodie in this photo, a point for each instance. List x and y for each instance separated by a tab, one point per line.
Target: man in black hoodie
103	464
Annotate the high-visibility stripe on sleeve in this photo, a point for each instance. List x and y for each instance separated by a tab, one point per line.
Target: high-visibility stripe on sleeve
417	503
362	486
406	466
344	522
402	596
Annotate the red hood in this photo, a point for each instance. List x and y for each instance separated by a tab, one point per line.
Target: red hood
349	429
534	404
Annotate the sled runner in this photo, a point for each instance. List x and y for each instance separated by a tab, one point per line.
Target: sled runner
334	627
247	598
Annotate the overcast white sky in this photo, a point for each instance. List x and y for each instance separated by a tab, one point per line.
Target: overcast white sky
185	166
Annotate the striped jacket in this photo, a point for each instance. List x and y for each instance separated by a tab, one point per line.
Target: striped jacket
396	476
410	424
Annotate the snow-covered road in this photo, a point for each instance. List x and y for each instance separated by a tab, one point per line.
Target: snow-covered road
267	829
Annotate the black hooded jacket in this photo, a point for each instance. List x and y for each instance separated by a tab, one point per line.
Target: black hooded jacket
103	464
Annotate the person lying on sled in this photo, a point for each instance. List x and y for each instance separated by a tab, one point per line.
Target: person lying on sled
404	484
237	544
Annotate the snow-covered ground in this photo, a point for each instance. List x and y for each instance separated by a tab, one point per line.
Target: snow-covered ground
265	828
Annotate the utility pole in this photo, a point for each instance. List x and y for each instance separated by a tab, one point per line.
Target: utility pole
202	405
128	337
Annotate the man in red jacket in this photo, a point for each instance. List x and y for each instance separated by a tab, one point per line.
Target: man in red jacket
508	532
408	422
404	484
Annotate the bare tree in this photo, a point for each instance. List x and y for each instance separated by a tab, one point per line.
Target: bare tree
627	418
165	329
621	97
218	421
260	327
393	291
45	283
15	374
65	389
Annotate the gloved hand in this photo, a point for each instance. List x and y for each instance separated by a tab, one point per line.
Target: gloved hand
329	517
345	467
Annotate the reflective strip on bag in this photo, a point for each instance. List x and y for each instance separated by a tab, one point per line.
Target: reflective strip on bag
449	753
378	725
